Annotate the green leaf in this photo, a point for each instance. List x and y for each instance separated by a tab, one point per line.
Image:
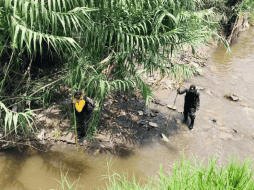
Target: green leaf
164	137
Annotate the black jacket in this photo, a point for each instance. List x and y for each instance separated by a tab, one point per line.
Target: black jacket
191	101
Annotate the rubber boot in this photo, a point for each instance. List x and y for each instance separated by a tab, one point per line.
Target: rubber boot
185	113
192	123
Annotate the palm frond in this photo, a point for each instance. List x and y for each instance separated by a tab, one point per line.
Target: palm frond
14	120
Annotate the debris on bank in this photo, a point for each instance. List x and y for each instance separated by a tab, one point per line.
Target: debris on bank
232	97
171	107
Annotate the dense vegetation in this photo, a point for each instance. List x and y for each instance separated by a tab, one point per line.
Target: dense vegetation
96	46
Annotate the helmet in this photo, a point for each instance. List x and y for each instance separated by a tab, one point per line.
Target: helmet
193	89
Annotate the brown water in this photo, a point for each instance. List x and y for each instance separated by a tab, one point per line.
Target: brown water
224	73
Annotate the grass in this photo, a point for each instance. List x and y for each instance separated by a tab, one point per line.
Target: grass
189	174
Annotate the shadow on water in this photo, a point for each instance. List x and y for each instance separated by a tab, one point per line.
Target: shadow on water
13	162
11	168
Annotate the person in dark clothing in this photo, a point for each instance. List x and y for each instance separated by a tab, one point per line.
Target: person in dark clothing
84	117
191	104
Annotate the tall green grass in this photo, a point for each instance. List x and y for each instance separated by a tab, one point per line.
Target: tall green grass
190	175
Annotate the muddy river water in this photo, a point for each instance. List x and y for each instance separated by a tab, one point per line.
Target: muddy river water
222	127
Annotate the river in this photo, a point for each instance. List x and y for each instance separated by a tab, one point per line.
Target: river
231	132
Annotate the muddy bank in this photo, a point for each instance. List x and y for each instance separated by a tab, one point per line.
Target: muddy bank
125	123
140	125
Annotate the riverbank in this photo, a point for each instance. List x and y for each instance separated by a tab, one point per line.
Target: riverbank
204	15
125	121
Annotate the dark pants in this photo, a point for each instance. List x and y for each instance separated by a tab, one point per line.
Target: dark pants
82	122
189	112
